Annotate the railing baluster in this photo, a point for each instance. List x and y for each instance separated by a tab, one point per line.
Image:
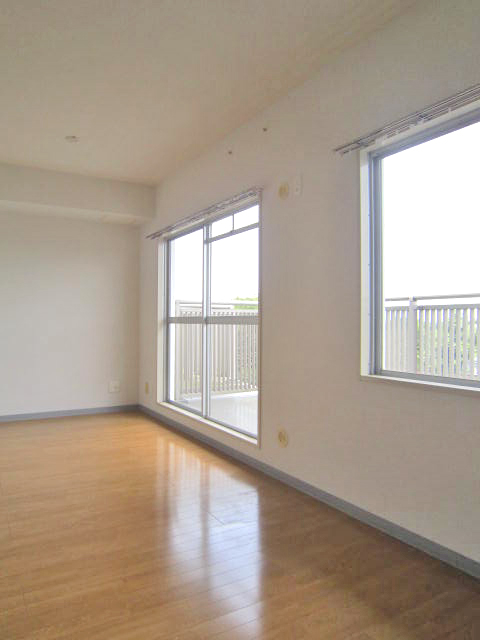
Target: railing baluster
245	359
251	365
459	343
392	339
181	389
401	340
189	359
212	329
215	384
224	359
403	347
235	350
448	331
198	358
220	357
247	355
428	355
433	332
241	347
445	316
193	357
247	349
465	344
386	341
439	342
398	340
474	342
427	341
254	357
426	338
470	341
232	356
228	356
477	344
421	341
439	338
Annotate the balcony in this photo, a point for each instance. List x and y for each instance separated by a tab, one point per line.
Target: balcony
433	335
233	362
430	335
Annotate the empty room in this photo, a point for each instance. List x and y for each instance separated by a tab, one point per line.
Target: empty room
239	320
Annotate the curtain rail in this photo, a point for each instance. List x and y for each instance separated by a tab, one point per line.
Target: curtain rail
435	110
235	203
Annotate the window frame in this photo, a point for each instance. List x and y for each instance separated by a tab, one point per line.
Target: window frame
371	245
205	320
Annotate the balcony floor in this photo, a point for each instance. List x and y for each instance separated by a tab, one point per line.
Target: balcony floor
239	410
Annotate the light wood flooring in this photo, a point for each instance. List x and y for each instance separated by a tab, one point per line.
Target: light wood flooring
114	528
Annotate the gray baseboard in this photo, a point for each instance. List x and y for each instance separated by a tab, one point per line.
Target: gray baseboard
43	415
457	560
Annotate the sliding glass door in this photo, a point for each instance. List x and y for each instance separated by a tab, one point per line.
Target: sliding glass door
213	316
185	320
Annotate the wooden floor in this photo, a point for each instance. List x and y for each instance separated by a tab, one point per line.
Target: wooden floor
113	528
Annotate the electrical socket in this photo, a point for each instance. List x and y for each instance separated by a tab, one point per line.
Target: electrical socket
284	190
282	438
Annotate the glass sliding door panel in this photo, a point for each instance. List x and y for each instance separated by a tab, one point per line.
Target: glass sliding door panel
233	355
224	225
212	348
234	271
246	217
233	347
186	275
185	365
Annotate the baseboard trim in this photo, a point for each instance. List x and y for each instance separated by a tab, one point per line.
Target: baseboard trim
452	558
44	415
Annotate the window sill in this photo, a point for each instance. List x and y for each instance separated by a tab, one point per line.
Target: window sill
425	384
204	422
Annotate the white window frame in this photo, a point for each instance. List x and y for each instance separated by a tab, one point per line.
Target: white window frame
371	249
164	391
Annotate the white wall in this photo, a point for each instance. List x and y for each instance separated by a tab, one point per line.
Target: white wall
407	453
31	190
68	314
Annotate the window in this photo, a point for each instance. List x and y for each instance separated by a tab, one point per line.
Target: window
212	346
421	275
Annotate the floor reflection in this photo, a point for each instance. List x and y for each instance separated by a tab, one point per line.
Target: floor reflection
213	523
120	528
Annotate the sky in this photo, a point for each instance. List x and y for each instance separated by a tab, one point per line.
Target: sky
431	217
234	265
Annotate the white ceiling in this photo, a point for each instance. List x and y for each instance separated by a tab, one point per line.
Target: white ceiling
148	84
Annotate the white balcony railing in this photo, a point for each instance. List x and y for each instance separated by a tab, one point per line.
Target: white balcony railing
433	335
233	353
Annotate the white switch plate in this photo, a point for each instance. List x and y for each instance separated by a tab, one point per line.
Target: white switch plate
114	386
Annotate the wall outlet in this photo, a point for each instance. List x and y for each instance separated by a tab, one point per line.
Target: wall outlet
282	438
284	190
114	386
147	388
